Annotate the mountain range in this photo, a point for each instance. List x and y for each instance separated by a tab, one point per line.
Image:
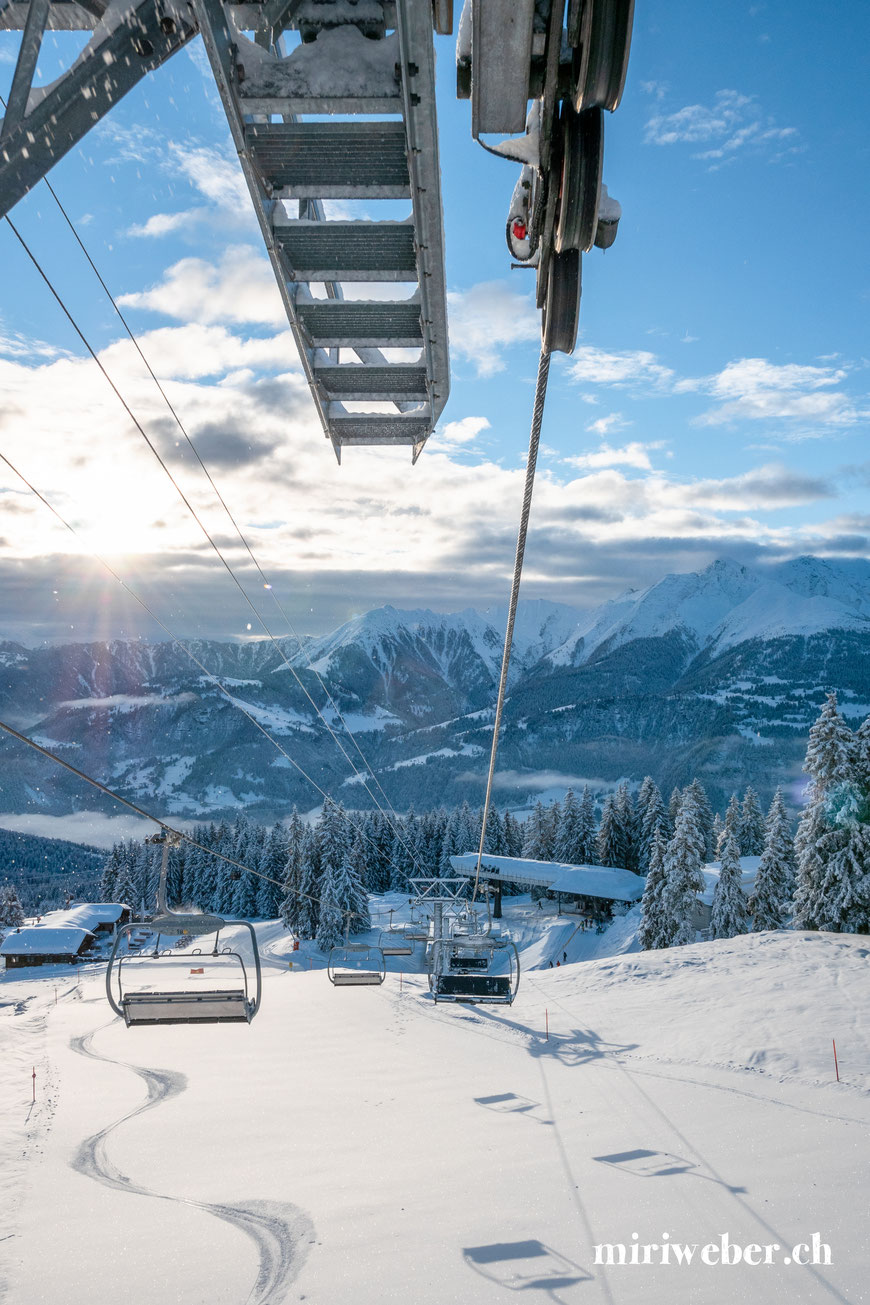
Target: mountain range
717	673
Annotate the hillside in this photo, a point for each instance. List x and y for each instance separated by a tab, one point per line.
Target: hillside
365	1146
717	674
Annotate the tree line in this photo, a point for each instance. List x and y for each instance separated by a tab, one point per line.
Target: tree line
317	876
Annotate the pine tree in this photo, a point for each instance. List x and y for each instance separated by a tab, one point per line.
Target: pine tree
774	883
845	880
652	814
109	877
11	910
611	834
358	898
536	834
674	805
569	830
751	836
628	821
656	925
309	886
729	901
824	830
683	872
705	817
290	906
731	824
332	923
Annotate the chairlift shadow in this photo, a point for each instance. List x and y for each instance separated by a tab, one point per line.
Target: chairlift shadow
659	1164
525	1266
577	1047
508	1103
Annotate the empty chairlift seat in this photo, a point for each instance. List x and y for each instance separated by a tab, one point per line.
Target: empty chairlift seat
175	986
356	965
397	942
474	969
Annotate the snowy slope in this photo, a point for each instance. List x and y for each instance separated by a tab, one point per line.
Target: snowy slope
358	1147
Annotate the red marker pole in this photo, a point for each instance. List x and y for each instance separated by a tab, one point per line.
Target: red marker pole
33	1101
836	1066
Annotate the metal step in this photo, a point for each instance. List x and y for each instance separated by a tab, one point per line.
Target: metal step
367	323
403	382
379	428
332	160
348	251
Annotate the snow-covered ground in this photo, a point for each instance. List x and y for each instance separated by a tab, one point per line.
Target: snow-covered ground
363	1146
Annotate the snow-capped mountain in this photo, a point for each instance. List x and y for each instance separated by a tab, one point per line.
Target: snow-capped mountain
718	673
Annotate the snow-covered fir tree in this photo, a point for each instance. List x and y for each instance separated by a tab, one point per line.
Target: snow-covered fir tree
656	924
628	820
612	837
333	922
731	824
705	817
771	896
537	835
11	910
568	836
683	872
751	835
109	876
651	817
828	844
729	916
674	803
290	906
358	898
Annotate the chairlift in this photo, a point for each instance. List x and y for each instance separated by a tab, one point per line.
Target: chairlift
184	1001
356	965
397	941
474	969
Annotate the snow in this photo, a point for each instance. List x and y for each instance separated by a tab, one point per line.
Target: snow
366	1146
127	701
616	885
749	868
340	63
38	940
87	915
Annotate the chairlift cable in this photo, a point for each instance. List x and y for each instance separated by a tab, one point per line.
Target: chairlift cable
140	811
531	464
198	519
179	644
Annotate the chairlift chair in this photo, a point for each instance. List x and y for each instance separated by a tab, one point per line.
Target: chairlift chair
356	965
186	1003
474	969
396	941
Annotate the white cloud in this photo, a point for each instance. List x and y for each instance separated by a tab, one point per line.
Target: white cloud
630	367
488	319
604	425
164	224
463	431
630	455
753	389
731	123
240	287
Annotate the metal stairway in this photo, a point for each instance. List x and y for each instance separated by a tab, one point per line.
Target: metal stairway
367	66
354	61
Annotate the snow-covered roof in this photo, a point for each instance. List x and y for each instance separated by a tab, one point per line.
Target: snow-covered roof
39	941
613	883
748	867
84	915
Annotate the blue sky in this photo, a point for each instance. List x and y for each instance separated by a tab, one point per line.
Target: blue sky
717	403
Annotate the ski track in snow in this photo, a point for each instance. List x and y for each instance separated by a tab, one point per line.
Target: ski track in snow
281	1232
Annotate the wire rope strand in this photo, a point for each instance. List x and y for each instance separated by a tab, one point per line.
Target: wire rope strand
199	521
531	465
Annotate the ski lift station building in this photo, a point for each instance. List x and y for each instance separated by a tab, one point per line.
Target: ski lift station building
607	885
